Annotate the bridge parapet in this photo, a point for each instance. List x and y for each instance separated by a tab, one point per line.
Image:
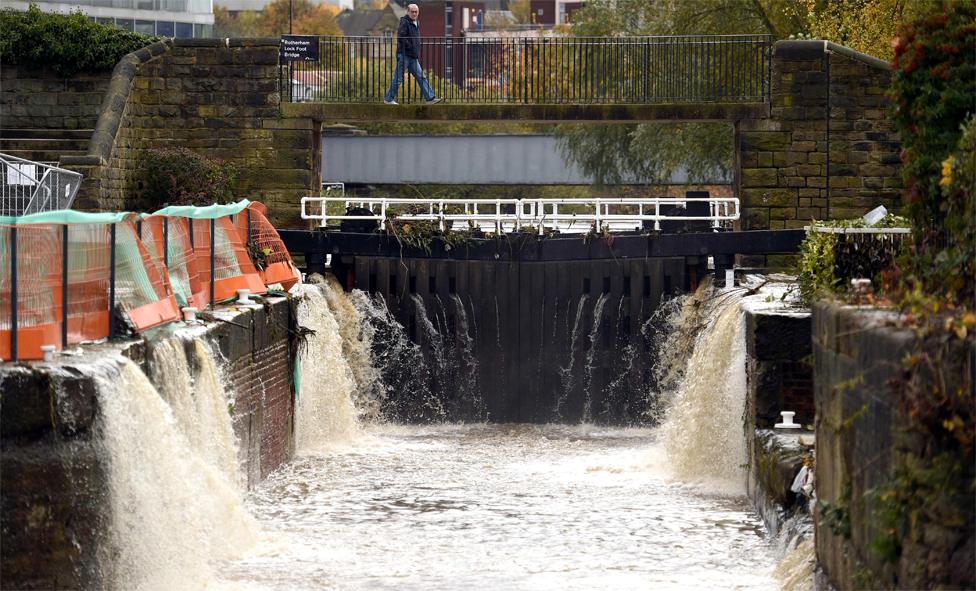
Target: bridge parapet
543	70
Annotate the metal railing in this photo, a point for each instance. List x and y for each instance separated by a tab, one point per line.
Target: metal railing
32	187
542	70
498	216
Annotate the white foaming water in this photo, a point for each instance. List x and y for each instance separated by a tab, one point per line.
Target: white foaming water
506	507
174	512
325	413
197	400
702	432
357	339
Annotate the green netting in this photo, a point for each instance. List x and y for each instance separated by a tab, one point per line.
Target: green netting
179	258
133	287
204	213
64	216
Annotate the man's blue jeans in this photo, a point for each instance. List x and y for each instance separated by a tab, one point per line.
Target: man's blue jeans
412	65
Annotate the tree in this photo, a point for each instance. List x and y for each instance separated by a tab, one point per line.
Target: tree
865	25
306	18
521	10
243	24
651	152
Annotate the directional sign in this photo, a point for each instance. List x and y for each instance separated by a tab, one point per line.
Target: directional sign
299	48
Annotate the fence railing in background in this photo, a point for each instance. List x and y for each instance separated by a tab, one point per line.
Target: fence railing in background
497	216
28	187
66	275
542	70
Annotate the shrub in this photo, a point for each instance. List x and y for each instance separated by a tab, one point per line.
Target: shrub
66	43
933	87
179	176
828	261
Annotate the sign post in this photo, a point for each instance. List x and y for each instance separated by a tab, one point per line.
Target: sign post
298	48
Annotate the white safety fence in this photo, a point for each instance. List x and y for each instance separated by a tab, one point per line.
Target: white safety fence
498	216
32	187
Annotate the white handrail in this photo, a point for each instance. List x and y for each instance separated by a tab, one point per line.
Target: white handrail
610	213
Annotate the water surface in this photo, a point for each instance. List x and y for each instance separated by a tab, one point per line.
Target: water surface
498	507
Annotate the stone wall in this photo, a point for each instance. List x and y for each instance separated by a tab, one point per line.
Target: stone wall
785	177
779	376
217	97
864	438
53	496
41	99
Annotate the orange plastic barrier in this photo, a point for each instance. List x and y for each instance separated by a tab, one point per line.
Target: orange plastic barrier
268	252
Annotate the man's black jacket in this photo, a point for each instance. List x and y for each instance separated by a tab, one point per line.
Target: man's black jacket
408	38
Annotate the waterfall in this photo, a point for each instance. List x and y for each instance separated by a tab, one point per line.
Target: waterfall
192	388
470	390
325	412
357	341
174	510
567	373
594	339
405	377
702	432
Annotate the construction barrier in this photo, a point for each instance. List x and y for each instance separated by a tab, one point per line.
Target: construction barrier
266	248
64	272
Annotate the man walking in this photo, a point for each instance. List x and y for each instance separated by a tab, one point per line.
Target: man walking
408	58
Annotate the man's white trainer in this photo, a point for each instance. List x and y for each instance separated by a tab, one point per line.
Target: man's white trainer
386	102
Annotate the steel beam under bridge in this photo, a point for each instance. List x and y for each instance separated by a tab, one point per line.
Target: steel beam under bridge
521	247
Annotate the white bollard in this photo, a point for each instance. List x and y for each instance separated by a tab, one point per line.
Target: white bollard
729	278
787	421
242	298
48	351
189	314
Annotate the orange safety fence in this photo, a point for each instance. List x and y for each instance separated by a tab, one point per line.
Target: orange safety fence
64	281
267	250
67	286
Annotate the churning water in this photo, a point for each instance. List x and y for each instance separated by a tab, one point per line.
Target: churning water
367	505
500	507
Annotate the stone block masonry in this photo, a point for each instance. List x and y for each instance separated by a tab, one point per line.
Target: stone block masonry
219	98
865	439
53	496
827	150
41	99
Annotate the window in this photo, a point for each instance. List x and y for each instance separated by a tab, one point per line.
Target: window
184	30
165	28
202	30
146	27
124	23
448	20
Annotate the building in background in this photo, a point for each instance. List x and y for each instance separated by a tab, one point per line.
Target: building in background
371	22
166	18
553	12
235	7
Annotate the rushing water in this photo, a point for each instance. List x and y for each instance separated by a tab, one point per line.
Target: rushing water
366	505
499	507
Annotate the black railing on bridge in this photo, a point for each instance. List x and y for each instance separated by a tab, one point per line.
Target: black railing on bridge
542	70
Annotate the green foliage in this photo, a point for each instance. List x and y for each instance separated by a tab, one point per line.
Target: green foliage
827	260
837	516
933	89
179	176
66	43
650	152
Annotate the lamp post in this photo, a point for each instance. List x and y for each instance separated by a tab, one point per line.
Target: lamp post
291	12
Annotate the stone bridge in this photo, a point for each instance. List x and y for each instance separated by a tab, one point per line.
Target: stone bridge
815	143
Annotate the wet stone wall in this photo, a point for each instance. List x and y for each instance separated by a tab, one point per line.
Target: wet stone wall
53	492
510	341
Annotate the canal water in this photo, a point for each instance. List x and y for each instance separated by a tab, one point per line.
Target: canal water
368	504
499	507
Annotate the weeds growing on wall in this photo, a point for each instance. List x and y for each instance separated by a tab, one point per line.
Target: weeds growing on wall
179	176
828	261
66	43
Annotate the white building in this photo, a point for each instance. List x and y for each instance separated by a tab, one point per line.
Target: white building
166	18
